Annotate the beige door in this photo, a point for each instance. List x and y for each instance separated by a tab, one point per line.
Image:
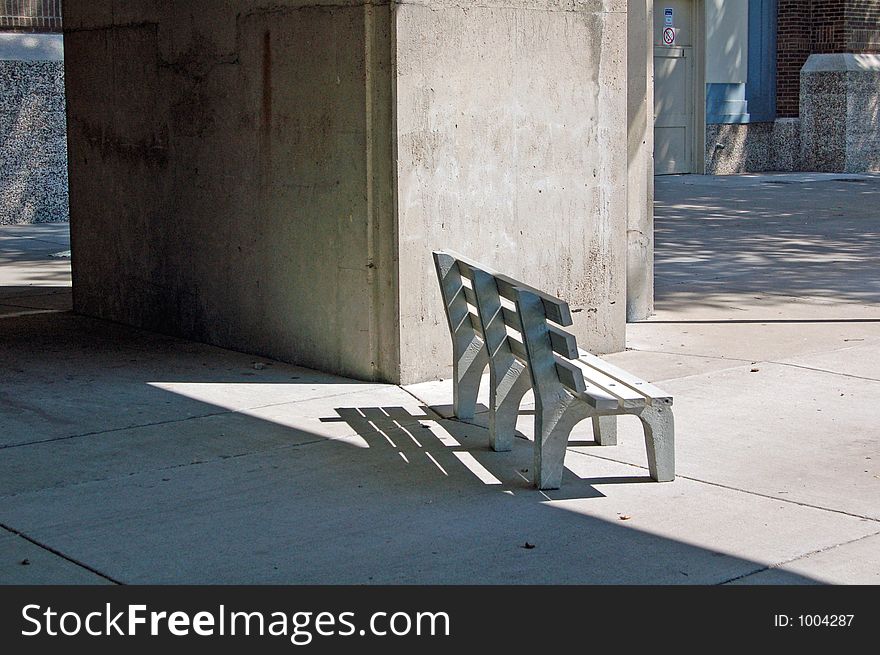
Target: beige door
674	93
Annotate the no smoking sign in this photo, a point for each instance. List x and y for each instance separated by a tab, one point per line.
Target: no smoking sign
669	36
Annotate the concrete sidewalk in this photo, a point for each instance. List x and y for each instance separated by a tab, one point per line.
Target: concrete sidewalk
138	458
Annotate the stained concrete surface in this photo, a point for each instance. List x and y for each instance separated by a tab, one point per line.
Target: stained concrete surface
131	457
300	150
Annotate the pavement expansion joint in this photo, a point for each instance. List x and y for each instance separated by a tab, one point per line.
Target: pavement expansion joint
739	489
170	421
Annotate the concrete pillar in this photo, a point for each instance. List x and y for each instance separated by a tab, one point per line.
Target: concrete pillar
640	161
272	177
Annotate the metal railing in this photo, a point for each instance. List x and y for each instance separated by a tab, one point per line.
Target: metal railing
30	15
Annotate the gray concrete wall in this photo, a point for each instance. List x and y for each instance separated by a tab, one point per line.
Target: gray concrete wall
511	148
273	177
640	160
224	183
33	146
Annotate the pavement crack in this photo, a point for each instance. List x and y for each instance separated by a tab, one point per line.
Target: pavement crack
824	370
760	569
796	558
58	553
682	354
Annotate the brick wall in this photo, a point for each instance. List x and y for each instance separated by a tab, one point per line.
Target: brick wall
819	26
827	26
862	24
30	15
792	49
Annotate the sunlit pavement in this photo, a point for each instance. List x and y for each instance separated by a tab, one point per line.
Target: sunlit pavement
132	457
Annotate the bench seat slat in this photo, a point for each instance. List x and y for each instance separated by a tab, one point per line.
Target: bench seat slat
625	397
633	382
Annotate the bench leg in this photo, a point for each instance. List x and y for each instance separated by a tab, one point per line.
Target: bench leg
467	373
510	382
660	442
605	430
552	427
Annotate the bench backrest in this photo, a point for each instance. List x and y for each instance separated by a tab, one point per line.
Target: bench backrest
455	275
550	350
482	301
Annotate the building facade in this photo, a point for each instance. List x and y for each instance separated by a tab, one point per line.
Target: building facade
766	85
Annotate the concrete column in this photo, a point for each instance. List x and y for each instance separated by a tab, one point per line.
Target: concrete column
272	177
640	161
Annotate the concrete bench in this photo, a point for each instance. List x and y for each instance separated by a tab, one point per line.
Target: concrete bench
516	331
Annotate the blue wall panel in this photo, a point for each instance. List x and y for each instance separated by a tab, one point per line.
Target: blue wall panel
761	84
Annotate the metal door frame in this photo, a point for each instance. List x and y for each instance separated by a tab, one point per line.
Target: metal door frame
699	50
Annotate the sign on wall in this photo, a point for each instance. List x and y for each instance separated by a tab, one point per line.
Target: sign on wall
668	26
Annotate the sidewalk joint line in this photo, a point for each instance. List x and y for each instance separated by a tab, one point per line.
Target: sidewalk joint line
170	467
745	491
824	370
170	421
757	361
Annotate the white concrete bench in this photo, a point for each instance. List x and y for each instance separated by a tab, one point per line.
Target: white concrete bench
517	331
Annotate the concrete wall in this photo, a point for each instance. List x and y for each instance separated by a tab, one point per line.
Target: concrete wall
640	161
511	120
272	177
223	176
33	156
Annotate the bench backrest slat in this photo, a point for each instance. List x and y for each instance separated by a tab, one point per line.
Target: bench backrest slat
556	310
461	312
511	318
563	343
485	301
569	374
548	366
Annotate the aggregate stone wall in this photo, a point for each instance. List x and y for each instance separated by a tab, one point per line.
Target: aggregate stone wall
739	148
840	97
33	146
